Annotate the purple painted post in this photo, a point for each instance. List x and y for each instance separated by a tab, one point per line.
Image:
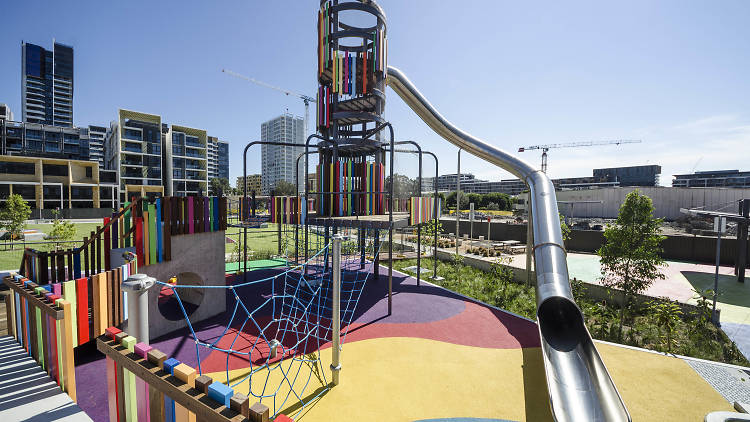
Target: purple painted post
191	222
206	217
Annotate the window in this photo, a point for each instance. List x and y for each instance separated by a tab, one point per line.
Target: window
136	135
89	172
54	170
16	168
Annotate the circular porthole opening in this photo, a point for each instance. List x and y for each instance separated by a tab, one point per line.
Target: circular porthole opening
191	298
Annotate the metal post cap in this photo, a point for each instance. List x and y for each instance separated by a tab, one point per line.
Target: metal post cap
137	282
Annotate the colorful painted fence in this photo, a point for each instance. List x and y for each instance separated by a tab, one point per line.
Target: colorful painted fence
350	187
42	322
147	226
286	209
143	384
423	209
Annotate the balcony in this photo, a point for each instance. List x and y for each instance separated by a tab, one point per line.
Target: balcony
132	148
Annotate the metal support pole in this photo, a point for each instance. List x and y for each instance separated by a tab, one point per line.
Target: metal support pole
719	223
136	286
458	195
336	309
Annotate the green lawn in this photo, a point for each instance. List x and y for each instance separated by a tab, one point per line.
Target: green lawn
265	242
10	259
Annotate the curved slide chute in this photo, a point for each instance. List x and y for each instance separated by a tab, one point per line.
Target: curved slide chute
579	386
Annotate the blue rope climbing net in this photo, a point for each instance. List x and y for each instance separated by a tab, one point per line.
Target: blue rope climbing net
278	323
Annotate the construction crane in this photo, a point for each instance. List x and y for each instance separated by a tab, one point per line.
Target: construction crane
546	148
305	99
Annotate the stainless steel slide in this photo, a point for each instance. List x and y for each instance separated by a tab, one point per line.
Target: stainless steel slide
580	388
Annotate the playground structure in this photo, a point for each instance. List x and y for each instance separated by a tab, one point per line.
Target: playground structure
281	320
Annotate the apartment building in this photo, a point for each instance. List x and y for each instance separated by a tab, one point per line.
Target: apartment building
186	155
218	158
278	162
47	84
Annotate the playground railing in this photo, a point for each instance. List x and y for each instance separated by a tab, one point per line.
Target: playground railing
146	225
144	384
42	322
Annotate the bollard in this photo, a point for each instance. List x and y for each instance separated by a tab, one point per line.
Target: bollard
336	309
136	286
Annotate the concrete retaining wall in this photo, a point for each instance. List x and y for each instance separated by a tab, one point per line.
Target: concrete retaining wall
592	292
199	253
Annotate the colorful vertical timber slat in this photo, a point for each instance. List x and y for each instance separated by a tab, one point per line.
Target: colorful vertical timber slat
350	187
145	384
286	210
422	209
42	322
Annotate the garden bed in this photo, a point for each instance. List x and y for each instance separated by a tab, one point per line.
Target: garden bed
692	334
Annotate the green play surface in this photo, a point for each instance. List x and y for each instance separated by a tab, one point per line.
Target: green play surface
233	267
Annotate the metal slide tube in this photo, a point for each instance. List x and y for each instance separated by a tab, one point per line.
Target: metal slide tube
579	386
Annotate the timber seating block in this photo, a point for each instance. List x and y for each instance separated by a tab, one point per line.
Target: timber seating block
240	404
185	374
119	336
220	393
283	418
202	382
156	357
141	349
111	332
169	365
259	412
128	342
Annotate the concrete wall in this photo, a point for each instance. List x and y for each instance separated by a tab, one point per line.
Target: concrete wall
667	201
199	253
684	248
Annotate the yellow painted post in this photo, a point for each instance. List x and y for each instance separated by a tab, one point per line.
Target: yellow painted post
131	402
67	351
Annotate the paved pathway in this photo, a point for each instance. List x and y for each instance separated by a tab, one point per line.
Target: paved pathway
27	393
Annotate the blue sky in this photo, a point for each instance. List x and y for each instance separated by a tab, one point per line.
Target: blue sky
672	73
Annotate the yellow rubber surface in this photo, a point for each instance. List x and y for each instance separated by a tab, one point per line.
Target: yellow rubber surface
407	379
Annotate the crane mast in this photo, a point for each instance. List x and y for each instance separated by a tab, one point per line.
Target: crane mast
546	148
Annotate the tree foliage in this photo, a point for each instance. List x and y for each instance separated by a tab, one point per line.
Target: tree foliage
630	258
284	188
14	214
501	201
667	316
61	229
564	229
219	186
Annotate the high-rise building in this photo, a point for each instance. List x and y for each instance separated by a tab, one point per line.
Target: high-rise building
186	157
253	184
278	162
153	158
96	136
218	158
5	113
47	84
133	147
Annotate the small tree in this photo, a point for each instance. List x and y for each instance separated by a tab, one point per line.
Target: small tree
667	315
14	215
219	186
61	229
564	228
630	259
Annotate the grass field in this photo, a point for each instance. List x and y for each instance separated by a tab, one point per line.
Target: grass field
10	258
